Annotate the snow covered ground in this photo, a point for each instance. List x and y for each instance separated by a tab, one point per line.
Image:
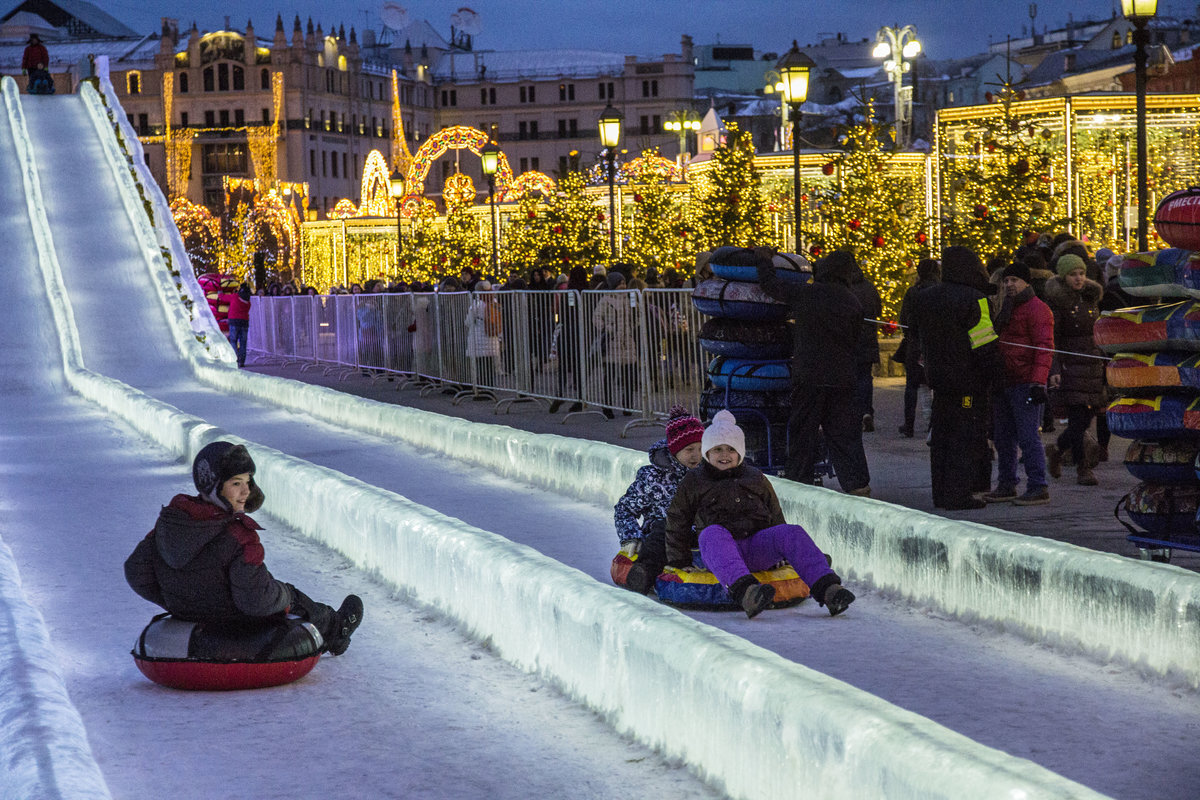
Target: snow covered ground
413	706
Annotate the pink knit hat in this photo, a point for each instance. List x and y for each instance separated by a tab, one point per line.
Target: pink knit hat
682	429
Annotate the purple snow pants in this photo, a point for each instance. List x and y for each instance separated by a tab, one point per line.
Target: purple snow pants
729	558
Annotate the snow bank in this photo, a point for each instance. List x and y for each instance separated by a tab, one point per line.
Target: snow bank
44	750
771	726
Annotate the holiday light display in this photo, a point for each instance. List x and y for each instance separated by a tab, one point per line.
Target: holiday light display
343	209
375	196
459	190
660	228
200	232
459	137
401	156
729	207
530	181
651	165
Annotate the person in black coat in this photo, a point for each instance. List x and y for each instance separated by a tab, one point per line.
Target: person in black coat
953	323
827	330
868	346
929	272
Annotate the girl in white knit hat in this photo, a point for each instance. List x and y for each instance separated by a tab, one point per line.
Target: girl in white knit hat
730	510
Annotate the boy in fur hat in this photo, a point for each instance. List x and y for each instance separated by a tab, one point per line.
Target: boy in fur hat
729	509
203	561
649	496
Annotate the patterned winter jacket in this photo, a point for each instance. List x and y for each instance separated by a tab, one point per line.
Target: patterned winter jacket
650	494
205	564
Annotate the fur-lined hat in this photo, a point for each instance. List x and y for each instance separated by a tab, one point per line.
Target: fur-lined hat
218	462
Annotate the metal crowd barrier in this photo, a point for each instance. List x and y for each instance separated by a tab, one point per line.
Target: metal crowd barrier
630	353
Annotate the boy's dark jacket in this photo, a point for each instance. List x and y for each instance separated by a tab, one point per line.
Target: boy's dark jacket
739	499
205	564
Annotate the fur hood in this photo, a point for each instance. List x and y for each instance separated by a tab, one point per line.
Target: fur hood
1059	295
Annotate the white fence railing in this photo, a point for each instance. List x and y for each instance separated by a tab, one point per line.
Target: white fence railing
634	353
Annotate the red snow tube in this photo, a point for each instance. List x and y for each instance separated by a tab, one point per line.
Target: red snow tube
1177	218
214	286
203	657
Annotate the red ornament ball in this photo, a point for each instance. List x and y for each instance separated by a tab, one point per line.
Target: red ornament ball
815	250
827	169
981	211
475	261
558	229
879	241
600	216
922	238
637	198
1022	166
855	224
532	215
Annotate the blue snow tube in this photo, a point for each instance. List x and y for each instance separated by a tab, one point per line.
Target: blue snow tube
720	298
750	375
1168	461
1161	416
740	264
701	589
1164	511
740	338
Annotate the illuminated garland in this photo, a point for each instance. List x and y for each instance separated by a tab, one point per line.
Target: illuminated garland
531	181
459	190
179	160
263	150
401	157
375	195
459	137
344	209
650	165
200	232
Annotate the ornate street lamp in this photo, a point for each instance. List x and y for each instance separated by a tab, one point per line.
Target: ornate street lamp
489	157
775	84
1140	12
610	137
899	46
795	68
396	187
680	122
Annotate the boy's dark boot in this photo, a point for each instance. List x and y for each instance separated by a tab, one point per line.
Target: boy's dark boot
349	617
838	599
639	579
751	595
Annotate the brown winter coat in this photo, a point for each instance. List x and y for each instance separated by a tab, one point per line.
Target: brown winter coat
1075	314
739	499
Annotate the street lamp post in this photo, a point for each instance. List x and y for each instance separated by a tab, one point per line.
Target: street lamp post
899	46
1140	12
396	187
680	122
610	137
490	159
795	69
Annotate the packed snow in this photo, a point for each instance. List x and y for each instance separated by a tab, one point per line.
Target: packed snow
504	541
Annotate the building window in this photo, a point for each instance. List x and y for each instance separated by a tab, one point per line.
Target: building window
524	164
449	97
533	162
265	79
528	94
656	124
333	166
183	119
222	77
344	172
224	159
566	92
223	117
324	163
239	79
606	90
208	79
266	116
563	166
644	127
522	130
133	82
210	119
183	83
649	88
487	96
239	117
533	130
312	162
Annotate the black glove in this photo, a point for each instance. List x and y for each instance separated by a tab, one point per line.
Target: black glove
1037	395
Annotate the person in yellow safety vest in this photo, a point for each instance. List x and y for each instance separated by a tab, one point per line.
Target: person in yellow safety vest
962	360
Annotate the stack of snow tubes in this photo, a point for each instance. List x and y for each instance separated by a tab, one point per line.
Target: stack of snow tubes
1155	371
750	339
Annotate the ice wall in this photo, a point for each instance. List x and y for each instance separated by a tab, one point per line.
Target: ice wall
771	726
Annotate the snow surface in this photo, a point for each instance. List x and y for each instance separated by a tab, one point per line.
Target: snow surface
1061	711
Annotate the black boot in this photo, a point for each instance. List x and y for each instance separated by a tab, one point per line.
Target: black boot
640	579
751	595
838	599
349	617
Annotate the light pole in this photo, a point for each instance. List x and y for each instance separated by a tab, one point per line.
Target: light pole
794	70
899	46
490	159
1140	12
396	187
680	122
610	137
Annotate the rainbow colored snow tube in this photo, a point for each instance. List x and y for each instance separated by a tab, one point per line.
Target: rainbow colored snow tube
1163	462
1173	326
1160	416
196	656
701	589
1161	273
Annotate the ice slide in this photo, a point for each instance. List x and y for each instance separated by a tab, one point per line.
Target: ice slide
378	462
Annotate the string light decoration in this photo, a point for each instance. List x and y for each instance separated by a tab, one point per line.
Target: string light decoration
730	209
401	157
521	240
567	230
200	232
459	190
530	181
459	137
661	233
344	209
375	194
872	211
650	164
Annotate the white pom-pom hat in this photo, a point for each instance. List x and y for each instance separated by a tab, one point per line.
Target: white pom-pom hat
724	430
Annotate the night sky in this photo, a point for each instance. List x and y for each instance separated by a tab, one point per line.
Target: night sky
948	29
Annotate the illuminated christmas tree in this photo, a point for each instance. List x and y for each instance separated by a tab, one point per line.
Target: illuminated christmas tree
522	237
1001	185
566	230
729	209
869	210
661	236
